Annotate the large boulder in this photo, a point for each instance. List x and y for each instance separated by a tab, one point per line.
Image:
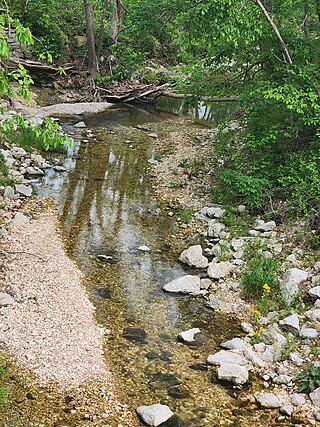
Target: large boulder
234	344
154	415
183	285
223	357
233	373
268	400
219	270
290	283
193	257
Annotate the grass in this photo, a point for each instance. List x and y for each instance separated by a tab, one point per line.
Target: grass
186	216
4	180
3	390
238	224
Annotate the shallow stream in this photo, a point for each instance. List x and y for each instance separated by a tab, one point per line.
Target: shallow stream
107	211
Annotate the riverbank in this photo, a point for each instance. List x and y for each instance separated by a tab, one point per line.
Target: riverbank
48	325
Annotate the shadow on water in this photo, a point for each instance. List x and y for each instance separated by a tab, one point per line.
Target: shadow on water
107	211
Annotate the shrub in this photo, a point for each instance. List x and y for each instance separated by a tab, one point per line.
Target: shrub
260	271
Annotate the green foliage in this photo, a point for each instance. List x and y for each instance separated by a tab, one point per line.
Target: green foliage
185	216
260	271
48	136
3	390
309	379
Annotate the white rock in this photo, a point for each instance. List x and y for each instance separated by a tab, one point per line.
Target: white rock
225	357
282	379
315	292
264	226
19	219
153	135
290	283
154	415
234	344
8	192
205	283
144	248
23	189
183	285
215	228
247	327
268	400
313	315
287	409
80	125
34	171
5	299
254	358
290	324
233	373
193	257
215	212
18	152
291	258
315	397
237	244
219	270
298	399
188	336
297	360
308	333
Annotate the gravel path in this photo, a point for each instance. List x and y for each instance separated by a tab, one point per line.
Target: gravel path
50	328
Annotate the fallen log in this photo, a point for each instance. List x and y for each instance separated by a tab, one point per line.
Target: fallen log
172	94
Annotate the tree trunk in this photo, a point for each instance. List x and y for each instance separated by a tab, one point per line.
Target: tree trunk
318	8
282	44
102	27
93	65
116	19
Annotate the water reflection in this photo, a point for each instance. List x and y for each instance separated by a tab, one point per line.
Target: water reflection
106	208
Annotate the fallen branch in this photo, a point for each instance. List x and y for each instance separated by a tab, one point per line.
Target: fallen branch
148	92
172	94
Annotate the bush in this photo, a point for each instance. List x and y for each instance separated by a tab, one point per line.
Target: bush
260	271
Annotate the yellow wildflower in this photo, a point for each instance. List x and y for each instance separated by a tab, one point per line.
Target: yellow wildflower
266	288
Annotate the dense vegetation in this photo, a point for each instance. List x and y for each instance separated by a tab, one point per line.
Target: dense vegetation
266	52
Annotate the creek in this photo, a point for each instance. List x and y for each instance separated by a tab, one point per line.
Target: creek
107	211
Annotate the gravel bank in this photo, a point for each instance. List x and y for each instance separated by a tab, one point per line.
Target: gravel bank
50	328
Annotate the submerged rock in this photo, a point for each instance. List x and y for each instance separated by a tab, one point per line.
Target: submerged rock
136	335
154	415
193	257
183	285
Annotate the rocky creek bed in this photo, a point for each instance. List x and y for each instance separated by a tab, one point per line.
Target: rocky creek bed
174	347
